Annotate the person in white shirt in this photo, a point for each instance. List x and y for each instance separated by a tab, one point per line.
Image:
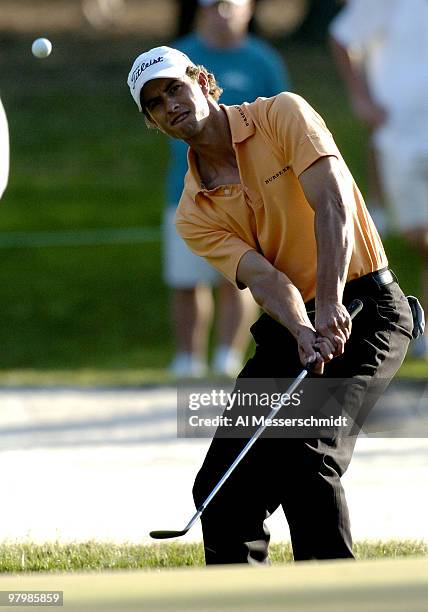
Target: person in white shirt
381	49
4	150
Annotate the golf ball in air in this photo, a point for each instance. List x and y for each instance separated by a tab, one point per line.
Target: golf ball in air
41	47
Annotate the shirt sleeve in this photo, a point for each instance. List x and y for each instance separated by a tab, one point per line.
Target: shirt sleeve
219	246
300	132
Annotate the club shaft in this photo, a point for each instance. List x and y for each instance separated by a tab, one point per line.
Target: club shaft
195	517
250	442
354	308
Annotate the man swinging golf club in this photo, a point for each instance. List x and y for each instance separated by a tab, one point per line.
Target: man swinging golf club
269	201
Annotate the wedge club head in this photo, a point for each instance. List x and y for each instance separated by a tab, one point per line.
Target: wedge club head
166	535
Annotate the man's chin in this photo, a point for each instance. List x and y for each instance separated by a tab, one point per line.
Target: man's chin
183	133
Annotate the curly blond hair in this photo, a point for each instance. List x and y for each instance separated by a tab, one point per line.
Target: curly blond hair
193	72
215	90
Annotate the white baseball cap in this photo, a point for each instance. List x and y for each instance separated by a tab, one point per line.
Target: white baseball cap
211	2
159	62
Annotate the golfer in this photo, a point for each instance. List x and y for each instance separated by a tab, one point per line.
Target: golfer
269	201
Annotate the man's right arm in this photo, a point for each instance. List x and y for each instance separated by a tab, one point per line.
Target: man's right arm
277	295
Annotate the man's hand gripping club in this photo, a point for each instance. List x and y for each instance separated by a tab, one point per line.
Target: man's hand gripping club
276	294
320	344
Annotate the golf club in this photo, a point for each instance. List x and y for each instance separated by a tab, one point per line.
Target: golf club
354	308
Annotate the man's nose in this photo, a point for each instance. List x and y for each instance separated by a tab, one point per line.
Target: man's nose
171	105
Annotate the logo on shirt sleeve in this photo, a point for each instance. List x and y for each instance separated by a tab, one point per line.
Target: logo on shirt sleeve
243	116
276	175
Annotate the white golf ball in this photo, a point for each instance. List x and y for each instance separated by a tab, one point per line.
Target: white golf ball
41	47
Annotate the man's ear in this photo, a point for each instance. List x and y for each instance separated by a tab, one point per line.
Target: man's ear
204	83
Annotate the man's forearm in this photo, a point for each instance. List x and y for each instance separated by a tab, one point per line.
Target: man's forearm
277	295
273	291
328	189
335	239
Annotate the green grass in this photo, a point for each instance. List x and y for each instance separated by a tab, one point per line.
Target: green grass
83	159
49	557
123	376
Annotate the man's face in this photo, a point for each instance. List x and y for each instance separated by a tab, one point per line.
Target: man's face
178	107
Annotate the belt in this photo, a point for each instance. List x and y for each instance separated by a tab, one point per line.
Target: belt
379	278
267	329
383	277
370	282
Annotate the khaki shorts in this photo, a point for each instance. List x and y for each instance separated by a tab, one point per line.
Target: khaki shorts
182	269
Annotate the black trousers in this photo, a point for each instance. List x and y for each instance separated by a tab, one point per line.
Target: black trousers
301	474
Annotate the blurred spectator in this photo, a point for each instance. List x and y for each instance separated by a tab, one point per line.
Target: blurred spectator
103	13
314	27
246	68
381	49
4	150
186	16
187	10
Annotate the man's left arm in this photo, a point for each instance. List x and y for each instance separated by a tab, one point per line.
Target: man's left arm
328	190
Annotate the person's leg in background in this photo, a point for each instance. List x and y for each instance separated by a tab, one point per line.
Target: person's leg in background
236	312
191	315
192	280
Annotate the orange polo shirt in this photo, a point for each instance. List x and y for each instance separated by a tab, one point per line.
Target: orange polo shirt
275	140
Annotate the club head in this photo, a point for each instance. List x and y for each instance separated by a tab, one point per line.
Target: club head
165	535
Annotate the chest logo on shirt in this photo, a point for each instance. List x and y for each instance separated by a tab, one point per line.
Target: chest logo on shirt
276	175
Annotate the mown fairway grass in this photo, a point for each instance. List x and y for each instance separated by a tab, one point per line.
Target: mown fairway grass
30	557
376	585
83	159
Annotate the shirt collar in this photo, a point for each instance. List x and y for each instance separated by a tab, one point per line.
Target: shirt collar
240	121
241	127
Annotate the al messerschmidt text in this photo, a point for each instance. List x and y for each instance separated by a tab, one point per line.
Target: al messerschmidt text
255	421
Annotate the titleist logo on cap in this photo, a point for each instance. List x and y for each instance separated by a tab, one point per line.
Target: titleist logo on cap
142	68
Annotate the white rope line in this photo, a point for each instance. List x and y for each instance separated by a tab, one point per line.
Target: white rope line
95	237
